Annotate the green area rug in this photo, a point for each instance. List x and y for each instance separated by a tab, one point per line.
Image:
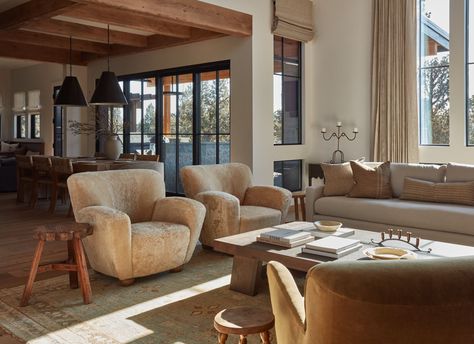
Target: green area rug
165	308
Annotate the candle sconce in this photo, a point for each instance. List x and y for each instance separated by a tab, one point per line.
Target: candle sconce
338	136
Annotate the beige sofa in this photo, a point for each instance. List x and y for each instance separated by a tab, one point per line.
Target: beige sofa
233	204
137	230
436	221
373	302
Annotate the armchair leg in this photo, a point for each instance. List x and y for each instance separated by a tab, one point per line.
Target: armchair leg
177	269
207	247
127	282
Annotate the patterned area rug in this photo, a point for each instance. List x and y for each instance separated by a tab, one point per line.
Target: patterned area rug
165	308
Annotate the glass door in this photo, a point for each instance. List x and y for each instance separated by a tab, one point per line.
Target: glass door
177	127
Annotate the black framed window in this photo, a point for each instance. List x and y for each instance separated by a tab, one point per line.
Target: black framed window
181	114
433	71
35	126
21	125
286	91
288	174
470	73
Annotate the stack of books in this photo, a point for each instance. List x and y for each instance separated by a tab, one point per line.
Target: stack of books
332	246
285	237
341	232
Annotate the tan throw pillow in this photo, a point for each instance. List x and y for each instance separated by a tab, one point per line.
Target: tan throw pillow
425	191
371	182
337	179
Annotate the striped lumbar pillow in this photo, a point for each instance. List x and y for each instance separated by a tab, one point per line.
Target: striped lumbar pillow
422	190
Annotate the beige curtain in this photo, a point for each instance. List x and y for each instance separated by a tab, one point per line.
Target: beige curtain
394	104
293	19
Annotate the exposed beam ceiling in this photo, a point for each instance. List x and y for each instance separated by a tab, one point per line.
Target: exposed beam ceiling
193	13
40	29
115	16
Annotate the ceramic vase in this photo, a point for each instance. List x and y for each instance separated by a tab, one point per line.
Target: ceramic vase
112	147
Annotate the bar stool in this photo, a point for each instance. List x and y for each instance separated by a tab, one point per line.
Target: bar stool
24	170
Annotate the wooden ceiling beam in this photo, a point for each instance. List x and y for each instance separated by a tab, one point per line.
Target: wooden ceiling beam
36	53
41	39
186	12
119	17
86	32
31	11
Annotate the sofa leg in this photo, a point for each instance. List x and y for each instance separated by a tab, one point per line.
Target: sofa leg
177	269
207	247
127	282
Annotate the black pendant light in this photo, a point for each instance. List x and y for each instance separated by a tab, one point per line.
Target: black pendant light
108	91
70	93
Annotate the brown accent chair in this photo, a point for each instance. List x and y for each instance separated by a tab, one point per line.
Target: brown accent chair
147	157
233	204
61	170
137	230
24	166
42	176
364	302
128	156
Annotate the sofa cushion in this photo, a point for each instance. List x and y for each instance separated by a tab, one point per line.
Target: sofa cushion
253	217
459	173
338	179
371	182
423	215
153	240
399	171
422	190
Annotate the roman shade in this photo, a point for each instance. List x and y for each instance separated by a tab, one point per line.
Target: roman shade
293	19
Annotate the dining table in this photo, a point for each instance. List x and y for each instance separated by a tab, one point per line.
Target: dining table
86	164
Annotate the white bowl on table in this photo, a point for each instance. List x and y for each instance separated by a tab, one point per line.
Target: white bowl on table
328	226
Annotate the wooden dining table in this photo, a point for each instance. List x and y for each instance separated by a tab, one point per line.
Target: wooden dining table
98	164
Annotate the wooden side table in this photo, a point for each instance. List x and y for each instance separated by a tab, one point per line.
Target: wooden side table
298	199
76	263
243	321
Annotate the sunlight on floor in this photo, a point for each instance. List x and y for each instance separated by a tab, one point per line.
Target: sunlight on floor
117	324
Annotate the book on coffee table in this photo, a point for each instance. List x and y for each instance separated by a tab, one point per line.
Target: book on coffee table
332	244
285	237
341	232
285	244
297	226
332	255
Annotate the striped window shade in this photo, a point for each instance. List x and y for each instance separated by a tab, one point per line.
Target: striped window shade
293	19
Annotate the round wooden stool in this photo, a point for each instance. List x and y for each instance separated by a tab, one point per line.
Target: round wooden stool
243	321
76	263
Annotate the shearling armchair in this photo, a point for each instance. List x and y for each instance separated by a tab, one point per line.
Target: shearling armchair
396	302
233	205
137	231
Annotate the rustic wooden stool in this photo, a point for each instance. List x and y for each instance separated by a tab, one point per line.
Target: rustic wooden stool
75	264
299	195
243	321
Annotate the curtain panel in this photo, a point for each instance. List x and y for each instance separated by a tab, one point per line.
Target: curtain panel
394	112
293	19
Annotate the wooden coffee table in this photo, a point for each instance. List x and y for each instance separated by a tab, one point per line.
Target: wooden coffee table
249	255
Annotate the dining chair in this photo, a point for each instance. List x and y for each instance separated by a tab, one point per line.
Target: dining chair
61	170
24	166
147	157
42	176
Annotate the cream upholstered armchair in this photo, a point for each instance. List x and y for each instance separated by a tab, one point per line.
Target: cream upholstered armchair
233	205
137	231
396	302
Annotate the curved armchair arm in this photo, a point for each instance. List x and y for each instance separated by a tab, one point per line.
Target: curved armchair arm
287	304
222	215
109	248
312	194
270	197
184	211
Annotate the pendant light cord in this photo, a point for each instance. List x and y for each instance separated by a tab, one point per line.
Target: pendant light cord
108	48
70	55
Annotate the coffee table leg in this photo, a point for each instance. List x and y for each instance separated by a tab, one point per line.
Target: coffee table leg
246	275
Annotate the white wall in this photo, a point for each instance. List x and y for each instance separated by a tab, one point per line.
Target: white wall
341	76
44	77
